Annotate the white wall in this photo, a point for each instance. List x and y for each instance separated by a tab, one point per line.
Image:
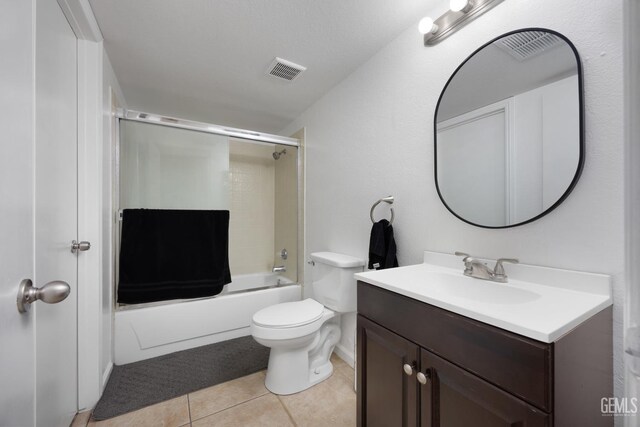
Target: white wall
17	360
545	149
372	135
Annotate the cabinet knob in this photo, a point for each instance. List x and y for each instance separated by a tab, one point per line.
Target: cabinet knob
408	369
422	378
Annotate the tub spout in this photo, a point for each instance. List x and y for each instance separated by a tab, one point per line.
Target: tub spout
279	269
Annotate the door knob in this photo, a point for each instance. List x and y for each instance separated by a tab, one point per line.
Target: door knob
51	293
80	246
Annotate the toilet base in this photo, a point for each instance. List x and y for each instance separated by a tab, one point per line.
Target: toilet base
294	370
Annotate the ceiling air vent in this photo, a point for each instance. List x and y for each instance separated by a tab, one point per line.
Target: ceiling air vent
284	69
528	44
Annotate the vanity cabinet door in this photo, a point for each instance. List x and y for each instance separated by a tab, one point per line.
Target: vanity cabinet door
387	395
453	397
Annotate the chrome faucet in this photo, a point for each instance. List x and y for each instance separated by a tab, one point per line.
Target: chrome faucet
479	270
279	269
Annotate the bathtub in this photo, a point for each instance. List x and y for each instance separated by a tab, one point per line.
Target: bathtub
148	330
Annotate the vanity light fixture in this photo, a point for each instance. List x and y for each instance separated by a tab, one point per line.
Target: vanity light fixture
463	6
459	14
427	26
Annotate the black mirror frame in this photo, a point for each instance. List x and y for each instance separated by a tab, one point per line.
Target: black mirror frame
581	159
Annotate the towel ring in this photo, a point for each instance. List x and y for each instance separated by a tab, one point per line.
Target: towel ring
389	200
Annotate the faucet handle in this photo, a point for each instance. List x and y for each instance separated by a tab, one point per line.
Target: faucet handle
467	262
499	268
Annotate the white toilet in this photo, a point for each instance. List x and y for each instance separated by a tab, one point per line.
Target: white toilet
299	333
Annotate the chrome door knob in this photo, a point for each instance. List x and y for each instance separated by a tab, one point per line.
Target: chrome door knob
80	246
51	293
408	369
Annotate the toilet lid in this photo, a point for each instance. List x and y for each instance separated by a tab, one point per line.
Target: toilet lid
289	314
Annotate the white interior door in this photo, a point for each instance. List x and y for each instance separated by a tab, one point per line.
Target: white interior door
56	214
16	212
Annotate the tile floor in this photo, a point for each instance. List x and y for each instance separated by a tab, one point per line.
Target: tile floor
245	402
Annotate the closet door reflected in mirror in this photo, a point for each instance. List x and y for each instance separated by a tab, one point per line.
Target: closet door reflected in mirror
509	130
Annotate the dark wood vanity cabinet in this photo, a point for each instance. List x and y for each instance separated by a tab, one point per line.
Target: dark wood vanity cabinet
419	365
455	397
391	396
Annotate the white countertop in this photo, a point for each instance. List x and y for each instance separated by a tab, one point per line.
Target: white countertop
538	302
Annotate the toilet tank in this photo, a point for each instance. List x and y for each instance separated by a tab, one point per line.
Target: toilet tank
333	283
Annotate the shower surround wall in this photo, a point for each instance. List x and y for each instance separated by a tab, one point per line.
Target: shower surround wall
380	122
264	209
252	213
286	210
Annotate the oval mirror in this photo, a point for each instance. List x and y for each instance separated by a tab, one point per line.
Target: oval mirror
509	130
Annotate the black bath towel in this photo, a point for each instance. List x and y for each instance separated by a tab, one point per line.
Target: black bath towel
382	246
173	254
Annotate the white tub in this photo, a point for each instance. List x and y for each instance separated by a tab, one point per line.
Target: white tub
149	330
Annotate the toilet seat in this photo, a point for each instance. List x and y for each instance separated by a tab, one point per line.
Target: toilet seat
290	320
289	314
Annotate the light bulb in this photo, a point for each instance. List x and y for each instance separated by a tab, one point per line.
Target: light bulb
426	25
460	5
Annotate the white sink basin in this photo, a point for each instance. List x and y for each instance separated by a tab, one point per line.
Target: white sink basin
484	291
537	302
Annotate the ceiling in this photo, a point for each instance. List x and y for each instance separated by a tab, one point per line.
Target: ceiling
492	75
206	60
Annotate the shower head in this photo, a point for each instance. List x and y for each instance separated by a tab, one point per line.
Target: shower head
276	154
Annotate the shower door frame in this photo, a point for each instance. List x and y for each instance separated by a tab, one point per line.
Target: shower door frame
249	136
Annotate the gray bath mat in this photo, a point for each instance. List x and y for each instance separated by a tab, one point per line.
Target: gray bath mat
139	384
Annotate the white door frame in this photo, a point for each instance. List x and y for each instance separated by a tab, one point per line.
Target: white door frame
91	377
632	200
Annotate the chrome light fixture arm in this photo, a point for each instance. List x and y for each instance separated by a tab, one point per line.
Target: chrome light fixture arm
461	13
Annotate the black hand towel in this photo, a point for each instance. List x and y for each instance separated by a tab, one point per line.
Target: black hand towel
382	246
173	254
